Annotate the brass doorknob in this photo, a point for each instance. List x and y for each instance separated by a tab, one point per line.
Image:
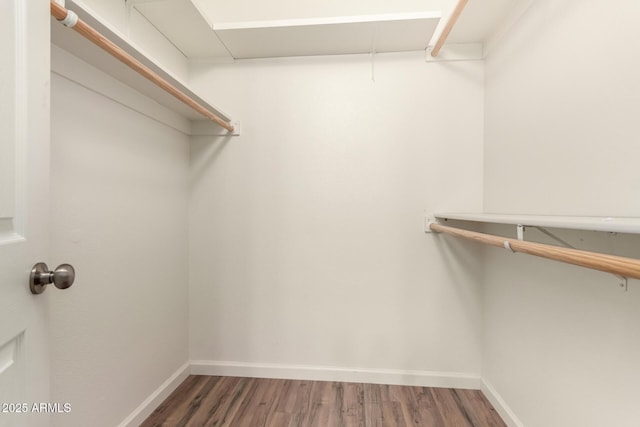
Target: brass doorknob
62	277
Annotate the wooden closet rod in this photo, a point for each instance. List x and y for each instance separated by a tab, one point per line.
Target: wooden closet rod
60	13
447	29
627	267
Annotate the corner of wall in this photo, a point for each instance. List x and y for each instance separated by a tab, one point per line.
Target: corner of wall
499	404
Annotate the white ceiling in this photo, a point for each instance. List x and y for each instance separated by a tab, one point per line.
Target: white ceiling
189	23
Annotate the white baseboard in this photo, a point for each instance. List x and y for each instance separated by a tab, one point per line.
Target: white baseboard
500	405
156	398
320	373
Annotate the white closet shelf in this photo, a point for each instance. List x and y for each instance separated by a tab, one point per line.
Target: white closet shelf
197	35
594	223
185	25
78	46
329	36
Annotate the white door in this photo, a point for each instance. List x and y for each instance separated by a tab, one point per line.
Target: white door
24	207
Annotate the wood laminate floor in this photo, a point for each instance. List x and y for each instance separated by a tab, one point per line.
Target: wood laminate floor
229	401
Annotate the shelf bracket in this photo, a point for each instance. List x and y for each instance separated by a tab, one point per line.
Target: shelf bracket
623	281
428	220
556	238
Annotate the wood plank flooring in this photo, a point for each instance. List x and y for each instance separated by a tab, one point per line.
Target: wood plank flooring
230	401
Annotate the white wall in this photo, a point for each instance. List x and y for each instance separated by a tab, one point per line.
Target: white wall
561	342
306	233
562	96
140	32
119	212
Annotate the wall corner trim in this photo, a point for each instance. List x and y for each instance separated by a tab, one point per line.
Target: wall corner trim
156	398
499	404
329	373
